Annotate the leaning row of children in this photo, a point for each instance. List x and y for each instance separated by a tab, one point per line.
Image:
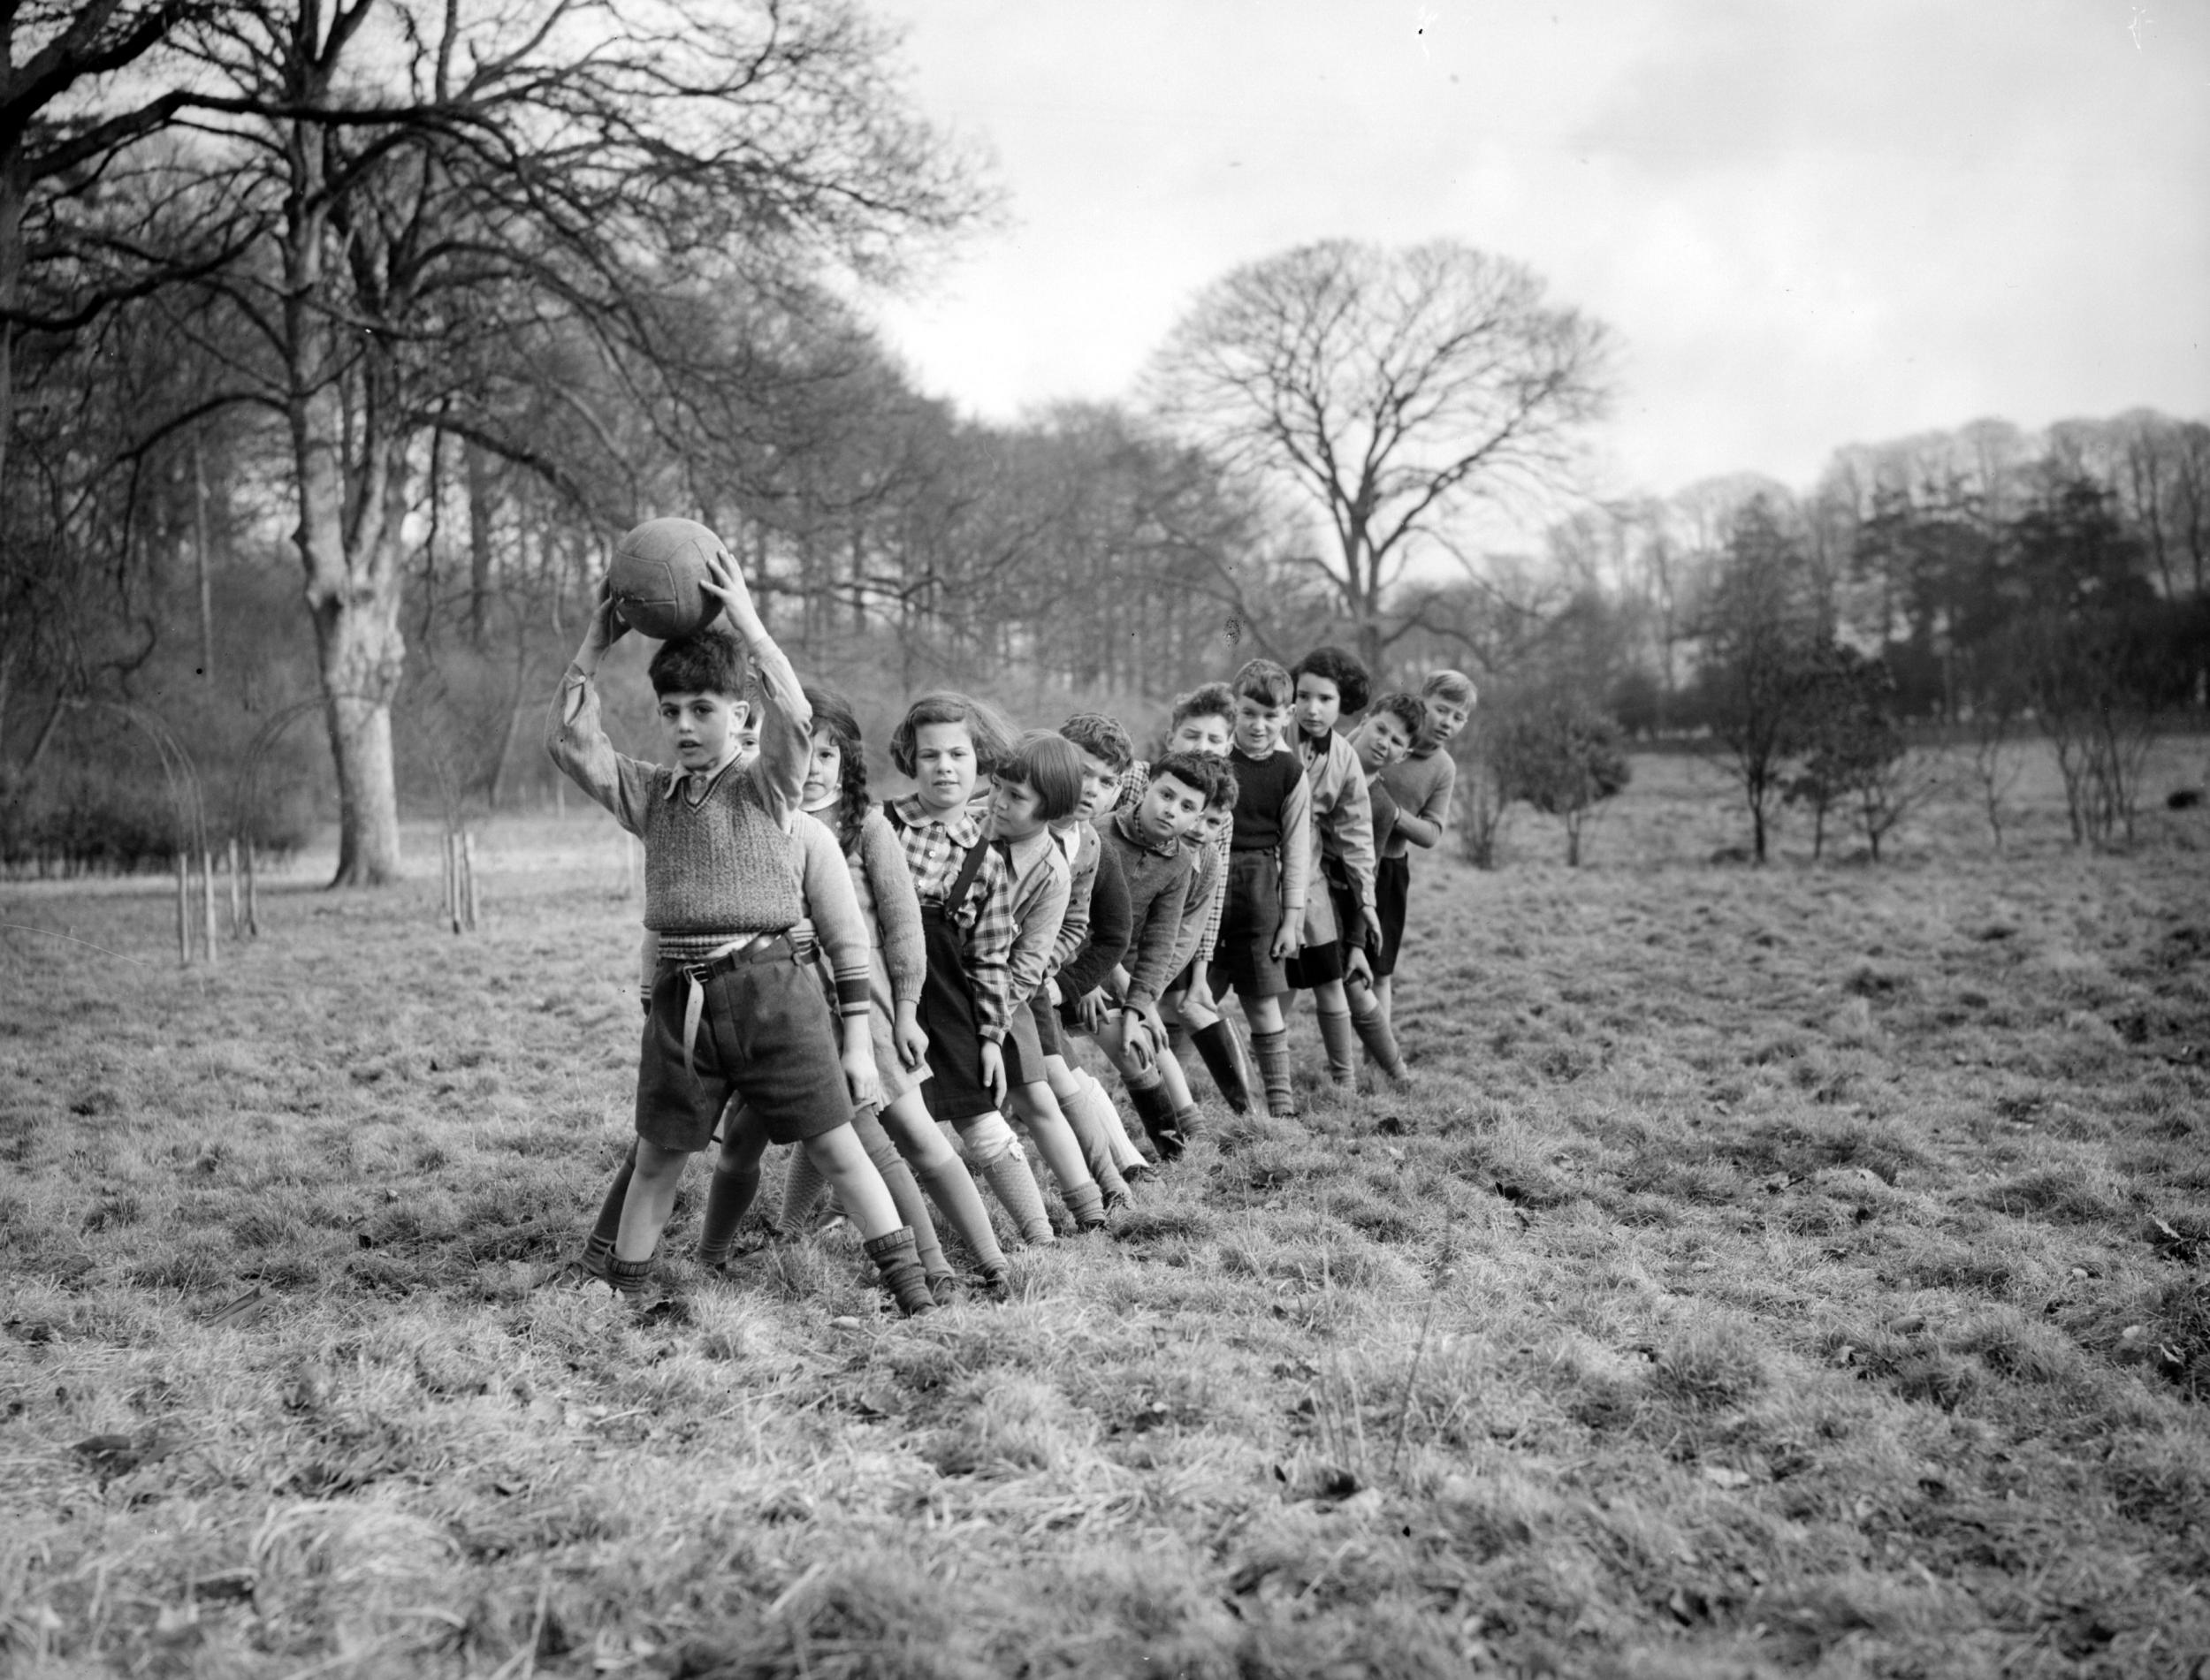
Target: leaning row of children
892	987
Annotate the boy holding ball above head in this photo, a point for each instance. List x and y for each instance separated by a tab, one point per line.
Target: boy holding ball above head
731	1009
1269	870
1421	784
1341	926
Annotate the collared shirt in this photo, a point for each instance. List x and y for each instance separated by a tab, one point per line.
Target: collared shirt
934	851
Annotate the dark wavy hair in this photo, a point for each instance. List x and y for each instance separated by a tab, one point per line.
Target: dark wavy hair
712	661
833	713
1404	708
1100	736
1341	668
1200	772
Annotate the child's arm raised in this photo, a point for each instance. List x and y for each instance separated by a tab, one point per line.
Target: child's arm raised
786	721
576	738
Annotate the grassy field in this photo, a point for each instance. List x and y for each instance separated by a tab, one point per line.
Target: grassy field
1787	1271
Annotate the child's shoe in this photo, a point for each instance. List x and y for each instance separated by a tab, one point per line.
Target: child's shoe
997	1284
944	1286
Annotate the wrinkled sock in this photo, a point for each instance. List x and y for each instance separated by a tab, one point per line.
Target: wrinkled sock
729	1194
1272	1051
629	1277
1381	1043
1086	1203
897	1178
996	1153
1090	1131
953	1189
598	1246
802	1187
1216	1046
1340	1040
1125	1154
894	1257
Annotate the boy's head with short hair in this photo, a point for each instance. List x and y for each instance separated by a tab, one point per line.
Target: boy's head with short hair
1385	735
1105	750
701	682
1203	720
1220	803
1449	699
1039	782
1331	683
1262	691
1174	798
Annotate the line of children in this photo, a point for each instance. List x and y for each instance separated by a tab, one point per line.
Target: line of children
958	935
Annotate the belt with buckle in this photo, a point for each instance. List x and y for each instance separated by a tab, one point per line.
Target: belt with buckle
761	947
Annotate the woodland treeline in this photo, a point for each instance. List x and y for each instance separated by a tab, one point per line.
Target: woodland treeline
337	343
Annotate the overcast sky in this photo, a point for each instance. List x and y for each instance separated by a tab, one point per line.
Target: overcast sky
1809	223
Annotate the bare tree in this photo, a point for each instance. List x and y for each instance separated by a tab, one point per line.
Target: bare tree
1390	387
447	184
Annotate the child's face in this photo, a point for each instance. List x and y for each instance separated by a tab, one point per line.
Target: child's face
1199	733
1258	725
1319	703
1445	718
1101	785
1217	819
943	765
701	730
1382	740
824	773
1170	807
1016	810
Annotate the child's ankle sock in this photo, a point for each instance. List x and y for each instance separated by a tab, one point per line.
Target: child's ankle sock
905	1194
1271	1050
956	1198
727	1197
900	1268
1339	1038
1375	1033
1216	1046
628	1277
1086	1203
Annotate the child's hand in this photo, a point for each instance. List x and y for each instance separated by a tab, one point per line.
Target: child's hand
607	626
1093	1007
910	1038
993	1070
860	1076
726	584
1135	1040
1051	993
1289	938
1357	969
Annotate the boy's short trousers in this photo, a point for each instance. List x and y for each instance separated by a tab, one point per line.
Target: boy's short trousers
1183	981
765	1033
1392	892
1325	954
1024	1047
1248	921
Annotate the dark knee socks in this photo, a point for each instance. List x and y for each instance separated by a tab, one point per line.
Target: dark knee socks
731	1191
902	1272
897	1177
598	1246
1375	1033
1339	1038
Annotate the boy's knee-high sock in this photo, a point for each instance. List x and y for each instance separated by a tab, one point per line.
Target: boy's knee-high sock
1272	1051
953	1190
1126	1155
1177	1039
731	1191
1086	1203
598	1246
802	1187
1375	1033
1216	1046
897	1178
1340	1040
901	1267
994	1150
1155	1109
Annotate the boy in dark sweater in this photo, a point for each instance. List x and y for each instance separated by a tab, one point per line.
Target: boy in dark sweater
732	1009
1269	870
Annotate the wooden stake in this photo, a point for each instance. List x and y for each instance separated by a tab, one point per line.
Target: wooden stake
453	880
467	870
229	868
252	901
207	903
184	912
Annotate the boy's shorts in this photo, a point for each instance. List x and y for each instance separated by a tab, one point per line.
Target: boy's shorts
1392	892
1248	921
765	1033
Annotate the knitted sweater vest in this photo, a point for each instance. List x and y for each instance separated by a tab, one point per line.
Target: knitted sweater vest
722	866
